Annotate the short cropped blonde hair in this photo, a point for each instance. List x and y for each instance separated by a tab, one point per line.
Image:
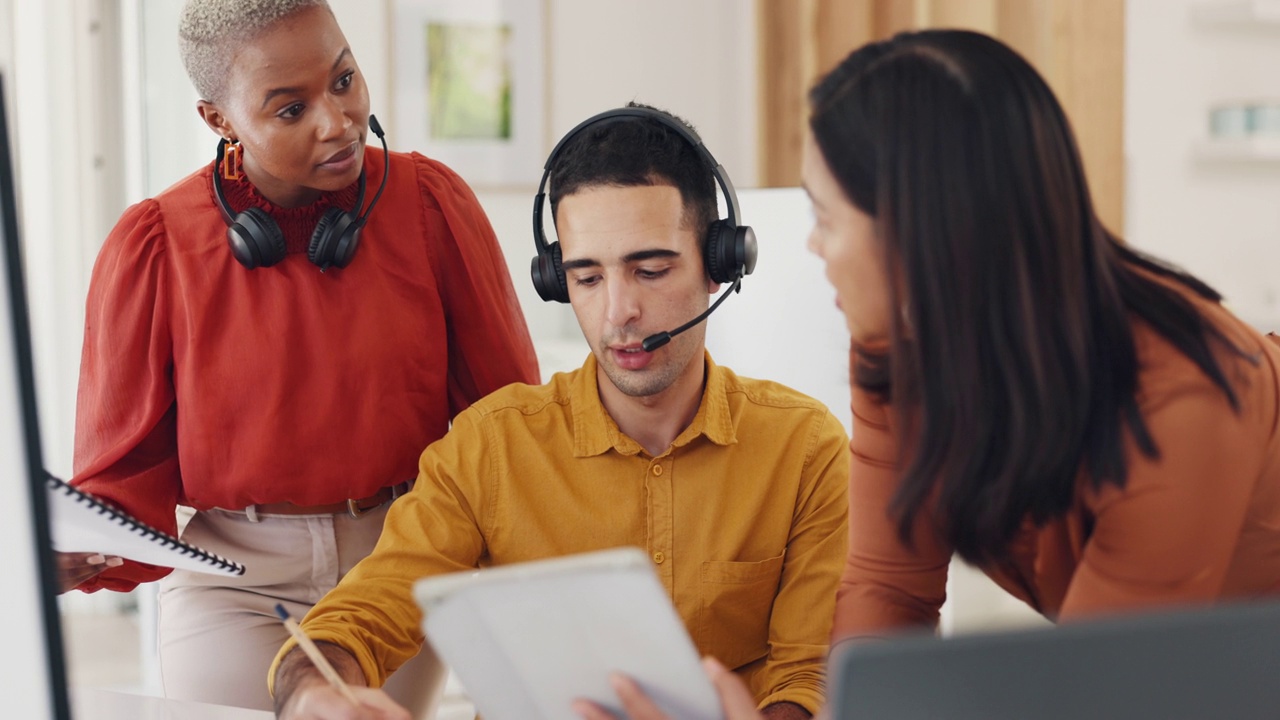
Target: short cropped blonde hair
210	29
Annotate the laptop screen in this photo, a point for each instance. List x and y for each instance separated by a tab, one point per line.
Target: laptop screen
1187	664
34	679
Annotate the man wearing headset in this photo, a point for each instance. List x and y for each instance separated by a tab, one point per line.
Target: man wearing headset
735	487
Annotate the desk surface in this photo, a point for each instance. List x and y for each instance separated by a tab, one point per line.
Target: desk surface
97	704
88	703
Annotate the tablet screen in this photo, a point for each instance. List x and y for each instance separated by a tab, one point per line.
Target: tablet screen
527	640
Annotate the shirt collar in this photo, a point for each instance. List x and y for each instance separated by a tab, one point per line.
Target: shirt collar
595	432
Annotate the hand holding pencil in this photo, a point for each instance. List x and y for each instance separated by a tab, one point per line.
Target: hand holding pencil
318	702
317	657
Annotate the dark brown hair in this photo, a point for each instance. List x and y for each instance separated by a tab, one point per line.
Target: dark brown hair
632	151
1012	366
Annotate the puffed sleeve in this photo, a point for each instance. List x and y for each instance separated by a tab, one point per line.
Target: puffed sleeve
886	585
489	344
126	431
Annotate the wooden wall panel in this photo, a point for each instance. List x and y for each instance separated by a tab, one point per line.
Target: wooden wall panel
894	16
784	70
798	40
1085	67
980	15
1024	26
839	27
1078	45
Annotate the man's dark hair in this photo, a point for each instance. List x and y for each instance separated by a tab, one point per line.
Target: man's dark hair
632	151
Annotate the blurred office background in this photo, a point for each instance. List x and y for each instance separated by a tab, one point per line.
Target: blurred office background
1176	104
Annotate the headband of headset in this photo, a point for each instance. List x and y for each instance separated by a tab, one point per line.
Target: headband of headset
722	178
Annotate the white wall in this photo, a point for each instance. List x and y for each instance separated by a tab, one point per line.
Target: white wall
559	343
1220	220
696	59
784	325
67	203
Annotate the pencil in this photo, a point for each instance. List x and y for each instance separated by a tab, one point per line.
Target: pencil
317	658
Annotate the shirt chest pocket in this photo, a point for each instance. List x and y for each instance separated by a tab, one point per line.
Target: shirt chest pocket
736	602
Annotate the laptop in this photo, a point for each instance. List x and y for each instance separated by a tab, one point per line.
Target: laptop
1222	662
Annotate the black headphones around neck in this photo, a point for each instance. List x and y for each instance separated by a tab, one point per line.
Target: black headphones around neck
257	241
729	249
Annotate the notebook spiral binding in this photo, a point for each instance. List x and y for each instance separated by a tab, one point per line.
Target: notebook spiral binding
142	529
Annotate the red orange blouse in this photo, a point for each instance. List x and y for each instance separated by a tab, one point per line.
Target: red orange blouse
207	384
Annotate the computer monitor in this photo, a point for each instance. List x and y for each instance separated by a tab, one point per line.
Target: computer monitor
1212	663
34	678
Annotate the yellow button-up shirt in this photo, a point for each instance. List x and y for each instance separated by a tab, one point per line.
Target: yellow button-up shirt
744	517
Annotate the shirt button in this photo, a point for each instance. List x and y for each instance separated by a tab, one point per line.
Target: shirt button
658	557
657	469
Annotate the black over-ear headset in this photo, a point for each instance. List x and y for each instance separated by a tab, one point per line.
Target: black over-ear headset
729	249
257	241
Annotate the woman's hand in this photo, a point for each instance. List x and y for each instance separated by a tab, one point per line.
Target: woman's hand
735	699
75	568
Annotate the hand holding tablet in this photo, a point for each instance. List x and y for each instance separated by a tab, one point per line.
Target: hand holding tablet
529	640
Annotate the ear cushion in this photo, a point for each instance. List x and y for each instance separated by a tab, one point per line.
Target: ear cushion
719	267
346	237
324	239
256	240
548	275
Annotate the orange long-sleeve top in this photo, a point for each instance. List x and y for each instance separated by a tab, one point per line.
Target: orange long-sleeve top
1198	524
207	384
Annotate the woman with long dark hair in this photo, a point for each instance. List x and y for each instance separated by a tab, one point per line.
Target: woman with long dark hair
1087	425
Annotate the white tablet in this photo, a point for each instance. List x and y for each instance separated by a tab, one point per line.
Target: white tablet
526	640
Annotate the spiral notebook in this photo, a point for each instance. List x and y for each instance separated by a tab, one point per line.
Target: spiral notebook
82	523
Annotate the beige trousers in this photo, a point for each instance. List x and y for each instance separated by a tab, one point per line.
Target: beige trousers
218	635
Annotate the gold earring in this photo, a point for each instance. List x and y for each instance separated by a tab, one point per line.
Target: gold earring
232	161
